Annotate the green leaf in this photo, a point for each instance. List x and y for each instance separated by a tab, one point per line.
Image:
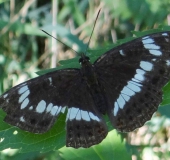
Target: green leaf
112	147
166	95
164	110
21	28
15	138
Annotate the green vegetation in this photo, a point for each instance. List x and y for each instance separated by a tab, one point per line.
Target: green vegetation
25	49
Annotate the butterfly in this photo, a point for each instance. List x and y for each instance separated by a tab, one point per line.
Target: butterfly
124	83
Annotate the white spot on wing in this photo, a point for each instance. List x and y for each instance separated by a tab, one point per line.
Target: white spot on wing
135	83
146	37
151	46
23	89
78	116
147	40
23	96
72	113
127	91
167	39
140	71
121	102
155	52
134	87
50	79
121	53
22	119
147	66
54	110
58	111
116	108
168	62
85	115
31	107
75	113
136	80
126	97
164	34
24	103
139	77
92	116
41	106
49	107
5	95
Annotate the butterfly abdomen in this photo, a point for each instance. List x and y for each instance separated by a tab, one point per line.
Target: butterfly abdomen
99	98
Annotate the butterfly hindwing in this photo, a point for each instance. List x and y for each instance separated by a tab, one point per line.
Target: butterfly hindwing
133	75
85	125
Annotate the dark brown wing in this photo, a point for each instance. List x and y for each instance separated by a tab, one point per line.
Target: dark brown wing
35	105
85	125
133	75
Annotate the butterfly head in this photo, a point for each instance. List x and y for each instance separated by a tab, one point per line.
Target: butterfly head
84	60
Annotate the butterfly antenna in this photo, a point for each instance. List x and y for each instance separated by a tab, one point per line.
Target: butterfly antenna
59	41
92	30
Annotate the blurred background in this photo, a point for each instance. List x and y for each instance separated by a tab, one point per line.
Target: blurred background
25	49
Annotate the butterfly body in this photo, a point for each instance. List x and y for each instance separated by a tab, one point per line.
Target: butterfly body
93	83
125	83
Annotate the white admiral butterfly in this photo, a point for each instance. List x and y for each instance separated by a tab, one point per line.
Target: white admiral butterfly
125	83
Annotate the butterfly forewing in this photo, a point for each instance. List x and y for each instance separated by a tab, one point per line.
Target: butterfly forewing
133	75
35	104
